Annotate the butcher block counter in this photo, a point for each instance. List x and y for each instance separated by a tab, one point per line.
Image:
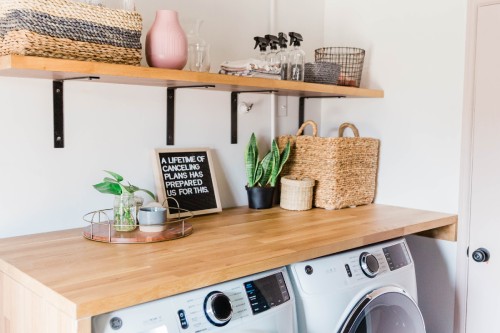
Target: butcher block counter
55	282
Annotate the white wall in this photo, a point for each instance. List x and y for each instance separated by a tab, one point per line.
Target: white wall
116	127
414	52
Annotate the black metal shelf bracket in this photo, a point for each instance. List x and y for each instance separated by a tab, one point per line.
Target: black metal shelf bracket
302	106
58	107
171	110
234	111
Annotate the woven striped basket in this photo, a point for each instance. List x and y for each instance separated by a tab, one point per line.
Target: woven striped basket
70	30
344	169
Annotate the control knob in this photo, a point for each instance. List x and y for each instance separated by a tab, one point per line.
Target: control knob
369	264
218	308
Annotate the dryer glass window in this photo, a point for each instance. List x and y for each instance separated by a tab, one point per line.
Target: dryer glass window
390	312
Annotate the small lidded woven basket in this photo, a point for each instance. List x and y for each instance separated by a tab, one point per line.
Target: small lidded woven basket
296	194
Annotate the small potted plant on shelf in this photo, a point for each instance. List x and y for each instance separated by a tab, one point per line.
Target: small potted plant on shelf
125	204
262	175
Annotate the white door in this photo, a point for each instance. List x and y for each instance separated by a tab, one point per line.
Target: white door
482	130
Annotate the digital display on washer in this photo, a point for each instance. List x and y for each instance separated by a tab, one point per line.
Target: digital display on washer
397	256
267	292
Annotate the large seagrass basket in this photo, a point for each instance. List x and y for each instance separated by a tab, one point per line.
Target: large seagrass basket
70	30
344	168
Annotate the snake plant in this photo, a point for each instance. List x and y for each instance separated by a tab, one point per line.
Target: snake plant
264	172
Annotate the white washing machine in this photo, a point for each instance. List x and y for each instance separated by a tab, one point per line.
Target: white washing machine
261	303
366	290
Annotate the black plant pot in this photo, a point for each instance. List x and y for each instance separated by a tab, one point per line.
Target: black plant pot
260	197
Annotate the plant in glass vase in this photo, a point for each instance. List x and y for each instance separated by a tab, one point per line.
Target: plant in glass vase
124	208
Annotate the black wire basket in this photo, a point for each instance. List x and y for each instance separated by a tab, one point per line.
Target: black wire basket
350	59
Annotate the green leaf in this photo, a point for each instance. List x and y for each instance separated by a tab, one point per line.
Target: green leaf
132	189
258	175
252	161
276	163
285	154
108	188
267	168
114	186
116	176
111	180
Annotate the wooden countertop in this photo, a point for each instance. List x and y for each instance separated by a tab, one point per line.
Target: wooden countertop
83	278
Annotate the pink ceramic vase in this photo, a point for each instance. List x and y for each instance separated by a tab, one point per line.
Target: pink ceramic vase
166	42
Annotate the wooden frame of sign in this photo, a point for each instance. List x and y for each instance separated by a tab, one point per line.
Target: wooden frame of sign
187	175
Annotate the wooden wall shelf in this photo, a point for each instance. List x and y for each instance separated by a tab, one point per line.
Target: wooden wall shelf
60	70
57	69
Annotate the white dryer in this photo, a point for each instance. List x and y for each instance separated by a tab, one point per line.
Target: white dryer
366	290
261	303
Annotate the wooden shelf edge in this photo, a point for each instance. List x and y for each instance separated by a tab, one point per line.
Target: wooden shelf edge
444	228
59	69
447	233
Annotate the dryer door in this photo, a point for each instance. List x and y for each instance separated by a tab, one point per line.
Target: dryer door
385	310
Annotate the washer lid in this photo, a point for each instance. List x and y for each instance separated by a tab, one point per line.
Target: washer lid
385	310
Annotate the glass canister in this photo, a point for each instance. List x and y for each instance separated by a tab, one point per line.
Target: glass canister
199	57
125	212
198	48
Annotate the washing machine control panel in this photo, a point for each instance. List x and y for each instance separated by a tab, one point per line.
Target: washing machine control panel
263	302
377	261
267	292
397	256
370	264
231	304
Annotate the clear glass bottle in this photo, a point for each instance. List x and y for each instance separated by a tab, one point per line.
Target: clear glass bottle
272	59
198	48
297	58
199	57
261	42
283	56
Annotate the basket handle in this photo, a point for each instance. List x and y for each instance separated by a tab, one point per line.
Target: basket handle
351	126
309	122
